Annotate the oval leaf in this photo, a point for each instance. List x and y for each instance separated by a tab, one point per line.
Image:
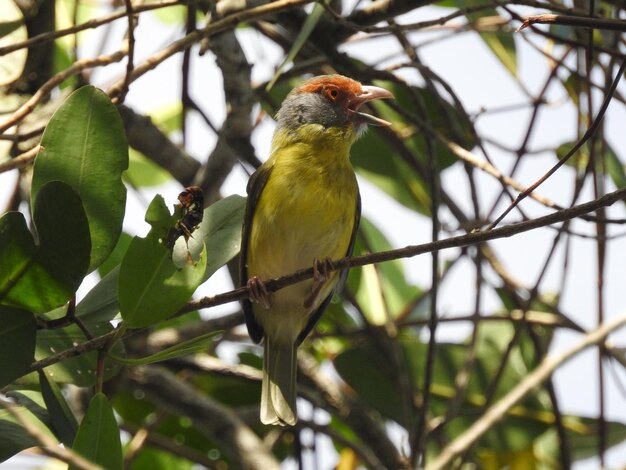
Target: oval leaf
98	437
221	230
41	278
18	331
151	287
84	145
190	346
63	420
151	284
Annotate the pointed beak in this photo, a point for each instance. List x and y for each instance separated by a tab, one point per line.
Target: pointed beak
369	93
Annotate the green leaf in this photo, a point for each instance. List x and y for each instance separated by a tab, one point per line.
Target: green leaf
100	304
18	330
14	439
174	15
63	420
611	166
395	293
7	27
78	370
139	411
190	346
33	401
151	285
382	386
98	437
84	145
150	458
221	230
14	436
615	168
582	434
143	172
167	117
116	256
501	43
63	60
40	278
377	160
374	159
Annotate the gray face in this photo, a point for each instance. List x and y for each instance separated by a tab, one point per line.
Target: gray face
310	108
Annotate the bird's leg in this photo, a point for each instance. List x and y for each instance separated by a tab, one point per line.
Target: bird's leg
321	273
258	292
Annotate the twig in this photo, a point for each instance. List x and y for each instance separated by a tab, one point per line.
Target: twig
87	346
214	419
409	251
91	24
211	29
20	161
590	132
77	67
579	21
527	385
130	14
233	140
48	445
413	250
360	421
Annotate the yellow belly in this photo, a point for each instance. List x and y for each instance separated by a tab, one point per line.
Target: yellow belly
300	216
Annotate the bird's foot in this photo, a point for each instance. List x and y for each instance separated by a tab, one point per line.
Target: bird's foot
322	269
258	292
321	274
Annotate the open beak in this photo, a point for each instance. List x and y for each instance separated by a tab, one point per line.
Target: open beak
369	93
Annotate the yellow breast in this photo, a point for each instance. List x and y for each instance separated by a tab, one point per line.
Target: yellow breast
306	211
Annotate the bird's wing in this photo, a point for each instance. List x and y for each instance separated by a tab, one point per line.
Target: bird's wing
342	279
257	182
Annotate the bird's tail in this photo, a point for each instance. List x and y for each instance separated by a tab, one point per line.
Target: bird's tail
278	395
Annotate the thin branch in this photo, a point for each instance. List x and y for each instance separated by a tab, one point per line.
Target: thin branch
22	160
130	14
48	445
229	22
91	24
363	424
76	68
577	21
499	410
590	132
214	419
413	250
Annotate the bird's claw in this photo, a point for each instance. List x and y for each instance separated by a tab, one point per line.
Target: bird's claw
322	269
321	274
258	292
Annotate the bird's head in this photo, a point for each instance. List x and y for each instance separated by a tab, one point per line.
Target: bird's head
330	102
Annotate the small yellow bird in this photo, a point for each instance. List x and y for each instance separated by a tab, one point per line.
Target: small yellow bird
303	210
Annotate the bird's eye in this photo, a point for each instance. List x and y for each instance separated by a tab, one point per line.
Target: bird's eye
332	93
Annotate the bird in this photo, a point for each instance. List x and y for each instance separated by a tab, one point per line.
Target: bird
303	210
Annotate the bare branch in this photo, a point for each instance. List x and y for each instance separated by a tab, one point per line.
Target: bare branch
219	422
526	386
413	250
48	445
76	68
578	21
